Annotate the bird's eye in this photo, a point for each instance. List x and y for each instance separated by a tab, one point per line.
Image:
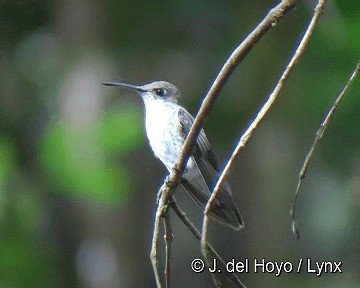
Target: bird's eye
160	92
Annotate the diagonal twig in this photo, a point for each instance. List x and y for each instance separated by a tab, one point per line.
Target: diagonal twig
318	136
233	61
245	138
221	263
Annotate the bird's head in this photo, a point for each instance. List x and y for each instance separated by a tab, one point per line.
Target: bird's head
158	91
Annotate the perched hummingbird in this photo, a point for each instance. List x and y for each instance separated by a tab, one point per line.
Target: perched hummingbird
167	125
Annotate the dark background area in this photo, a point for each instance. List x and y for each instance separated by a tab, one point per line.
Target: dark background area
78	182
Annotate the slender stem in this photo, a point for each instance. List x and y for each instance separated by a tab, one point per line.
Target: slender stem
317	138
168	240
221	263
233	61
154	250
245	138
160	213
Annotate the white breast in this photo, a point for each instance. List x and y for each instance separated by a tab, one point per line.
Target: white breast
156	121
159	121
163	131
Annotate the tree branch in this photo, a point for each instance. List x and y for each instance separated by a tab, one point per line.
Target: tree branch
318	136
233	61
154	250
160	212
245	138
221	263
168	240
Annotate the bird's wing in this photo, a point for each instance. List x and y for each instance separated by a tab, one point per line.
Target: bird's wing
202	152
224	209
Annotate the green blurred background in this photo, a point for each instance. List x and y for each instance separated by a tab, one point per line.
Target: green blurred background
78	183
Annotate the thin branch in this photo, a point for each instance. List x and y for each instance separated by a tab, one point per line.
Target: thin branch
318	136
155	245
168	240
160	213
245	138
233	61
221	263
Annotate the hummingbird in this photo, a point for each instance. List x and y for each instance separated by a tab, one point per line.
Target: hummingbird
167	126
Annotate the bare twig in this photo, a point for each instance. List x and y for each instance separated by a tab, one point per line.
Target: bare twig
154	247
245	138
154	256
160	212
234	60
221	263
168	239
318	136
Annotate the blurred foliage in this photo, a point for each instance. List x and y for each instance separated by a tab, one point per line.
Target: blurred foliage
70	165
80	169
18	18
7	161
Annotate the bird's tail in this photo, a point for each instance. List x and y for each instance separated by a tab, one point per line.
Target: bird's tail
224	210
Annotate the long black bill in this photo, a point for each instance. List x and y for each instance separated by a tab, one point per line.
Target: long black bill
134	87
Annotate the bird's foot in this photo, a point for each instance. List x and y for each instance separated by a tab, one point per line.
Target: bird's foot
167	183
177	170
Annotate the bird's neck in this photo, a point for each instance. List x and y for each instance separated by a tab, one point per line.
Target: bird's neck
155	107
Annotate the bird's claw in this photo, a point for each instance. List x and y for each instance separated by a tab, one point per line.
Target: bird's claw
177	170
167	183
